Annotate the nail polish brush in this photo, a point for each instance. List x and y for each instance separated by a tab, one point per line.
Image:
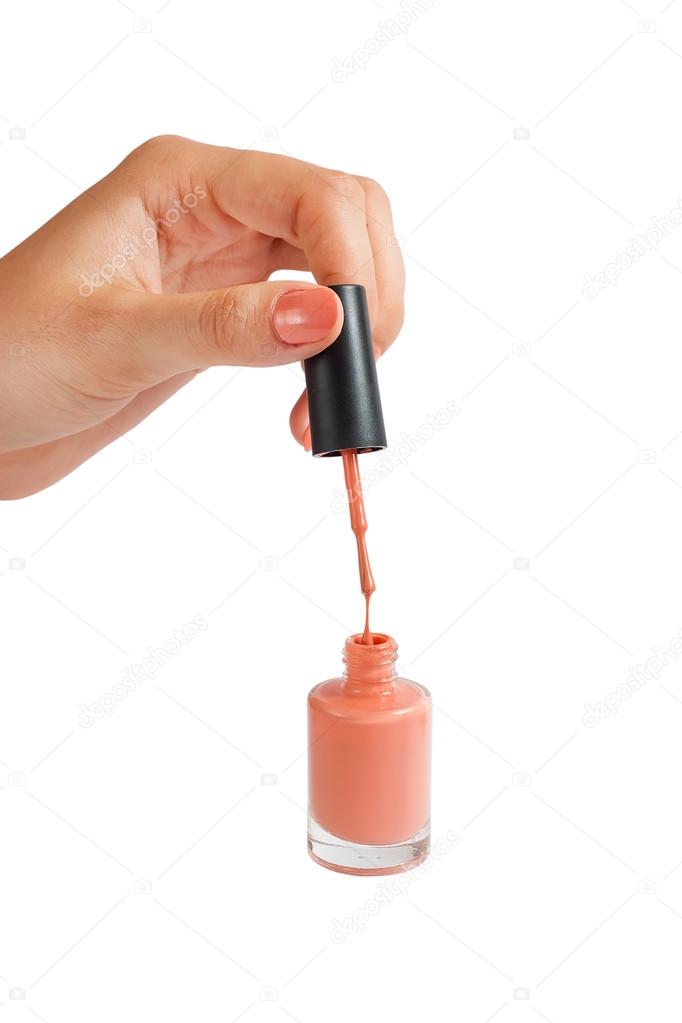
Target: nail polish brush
345	413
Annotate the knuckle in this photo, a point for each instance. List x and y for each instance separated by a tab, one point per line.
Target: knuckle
322	202
373	188
222	318
345	186
157	147
215	318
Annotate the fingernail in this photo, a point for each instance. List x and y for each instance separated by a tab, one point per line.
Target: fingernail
301	317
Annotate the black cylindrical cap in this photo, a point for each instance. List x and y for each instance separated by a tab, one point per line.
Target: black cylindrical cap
343	391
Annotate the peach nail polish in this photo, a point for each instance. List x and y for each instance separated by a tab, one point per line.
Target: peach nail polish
369	732
358	521
301	317
369	735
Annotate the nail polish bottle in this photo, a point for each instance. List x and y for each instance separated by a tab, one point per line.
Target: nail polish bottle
369	732
369	756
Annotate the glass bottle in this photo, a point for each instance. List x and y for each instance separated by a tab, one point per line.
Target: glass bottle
369	759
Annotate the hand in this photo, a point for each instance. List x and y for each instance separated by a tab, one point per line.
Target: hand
160	271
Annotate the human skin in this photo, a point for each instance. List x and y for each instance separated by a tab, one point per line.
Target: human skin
160	271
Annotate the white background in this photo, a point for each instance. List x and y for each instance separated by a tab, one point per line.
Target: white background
560	898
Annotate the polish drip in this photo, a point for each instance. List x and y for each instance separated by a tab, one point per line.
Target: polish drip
358	521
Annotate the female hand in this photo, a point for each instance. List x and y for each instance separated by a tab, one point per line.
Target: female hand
161	270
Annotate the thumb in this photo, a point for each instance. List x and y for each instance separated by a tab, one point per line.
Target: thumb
268	324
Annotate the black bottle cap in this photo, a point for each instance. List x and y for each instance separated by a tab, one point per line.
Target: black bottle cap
343	391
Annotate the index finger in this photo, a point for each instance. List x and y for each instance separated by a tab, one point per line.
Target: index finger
319	211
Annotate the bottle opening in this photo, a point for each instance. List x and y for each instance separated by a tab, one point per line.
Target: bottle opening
339	451
376	639
368	663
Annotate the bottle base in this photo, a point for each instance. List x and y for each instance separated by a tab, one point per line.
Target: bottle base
355	858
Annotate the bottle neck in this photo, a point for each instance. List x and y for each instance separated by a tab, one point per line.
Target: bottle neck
370	667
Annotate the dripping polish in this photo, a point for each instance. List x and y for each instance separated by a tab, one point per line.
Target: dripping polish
369	731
